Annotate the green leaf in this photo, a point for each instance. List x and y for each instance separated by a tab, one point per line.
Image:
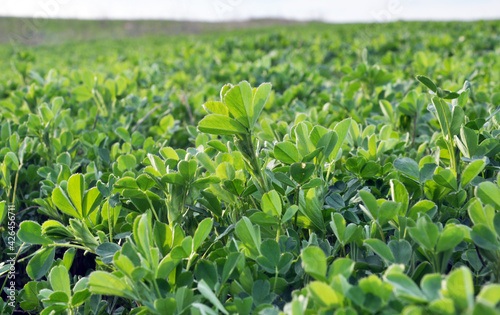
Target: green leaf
449	238
107	251
328	142
250	237
76	188
59	280
425	233
271	203
427	171
399	194
212	203
34	122
80	204
68	257
157	164
431	285
80	296
387	110
388	210
11	159
143	234
301	172
484	237
470	139
289	213
3	211
408	167
58	299
427	82
123	134
447	179
205	270
221	125
40	264
286	152
218	145
401	250
173	178
496	223
324	295
81	231
464	97
216	108
187	169
91	201
314	262
202	232
457	120
338	226
260	98
423	206
371	207
303	143
202	309
341	266
310	207
471	171
166	306
270	257
446	94
144	182
479	214
229	265
405	287
31	232
62	202
104	283
489	193
460	288
381	249
126	162
342	129
205	161
239	101
444	116
127	183
205	290
29	301
490	294
82	93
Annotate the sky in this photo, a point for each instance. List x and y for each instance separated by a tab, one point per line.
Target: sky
233	10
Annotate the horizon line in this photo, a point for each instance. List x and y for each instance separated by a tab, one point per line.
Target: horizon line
250	19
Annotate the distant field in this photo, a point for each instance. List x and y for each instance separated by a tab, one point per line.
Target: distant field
35	31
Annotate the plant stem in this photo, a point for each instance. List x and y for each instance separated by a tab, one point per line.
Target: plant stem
110	227
381	233
15	184
152	208
297	196
157	288
414	130
275	278
71	245
140	121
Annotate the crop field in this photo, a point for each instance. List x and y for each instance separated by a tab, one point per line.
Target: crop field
292	169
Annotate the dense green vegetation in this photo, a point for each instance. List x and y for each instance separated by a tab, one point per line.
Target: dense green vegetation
360	174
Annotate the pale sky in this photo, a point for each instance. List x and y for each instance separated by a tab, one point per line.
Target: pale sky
230	10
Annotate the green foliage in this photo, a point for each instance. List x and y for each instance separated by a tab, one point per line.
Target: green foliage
149	187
